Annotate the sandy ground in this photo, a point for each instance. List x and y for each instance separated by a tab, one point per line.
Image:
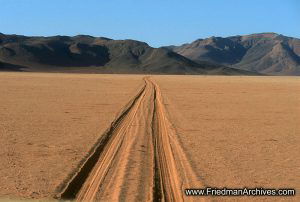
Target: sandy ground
166	133
48	123
238	131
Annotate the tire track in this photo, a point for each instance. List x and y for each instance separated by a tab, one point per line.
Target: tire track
130	176
175	171
75	184
118	169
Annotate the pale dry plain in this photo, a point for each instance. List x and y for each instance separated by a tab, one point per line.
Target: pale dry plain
169	133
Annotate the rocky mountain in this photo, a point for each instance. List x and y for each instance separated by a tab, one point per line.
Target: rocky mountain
267	53
97	55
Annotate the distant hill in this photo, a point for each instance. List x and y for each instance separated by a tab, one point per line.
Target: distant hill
267	53
97	55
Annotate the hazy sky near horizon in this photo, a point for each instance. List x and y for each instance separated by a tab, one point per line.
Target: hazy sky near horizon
157	22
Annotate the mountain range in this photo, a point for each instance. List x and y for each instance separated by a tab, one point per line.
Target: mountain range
266	53
256	54
89	54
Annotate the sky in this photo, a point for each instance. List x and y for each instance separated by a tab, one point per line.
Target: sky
156	22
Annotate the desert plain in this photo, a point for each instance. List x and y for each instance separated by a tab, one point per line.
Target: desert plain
146	137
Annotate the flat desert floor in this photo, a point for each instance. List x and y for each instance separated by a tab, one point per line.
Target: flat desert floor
146	138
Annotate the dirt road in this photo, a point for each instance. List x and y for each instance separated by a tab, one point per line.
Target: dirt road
138	158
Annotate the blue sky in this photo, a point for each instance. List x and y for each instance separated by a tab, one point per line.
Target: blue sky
157	22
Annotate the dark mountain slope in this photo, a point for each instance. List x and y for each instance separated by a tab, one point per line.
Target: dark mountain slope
10	67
